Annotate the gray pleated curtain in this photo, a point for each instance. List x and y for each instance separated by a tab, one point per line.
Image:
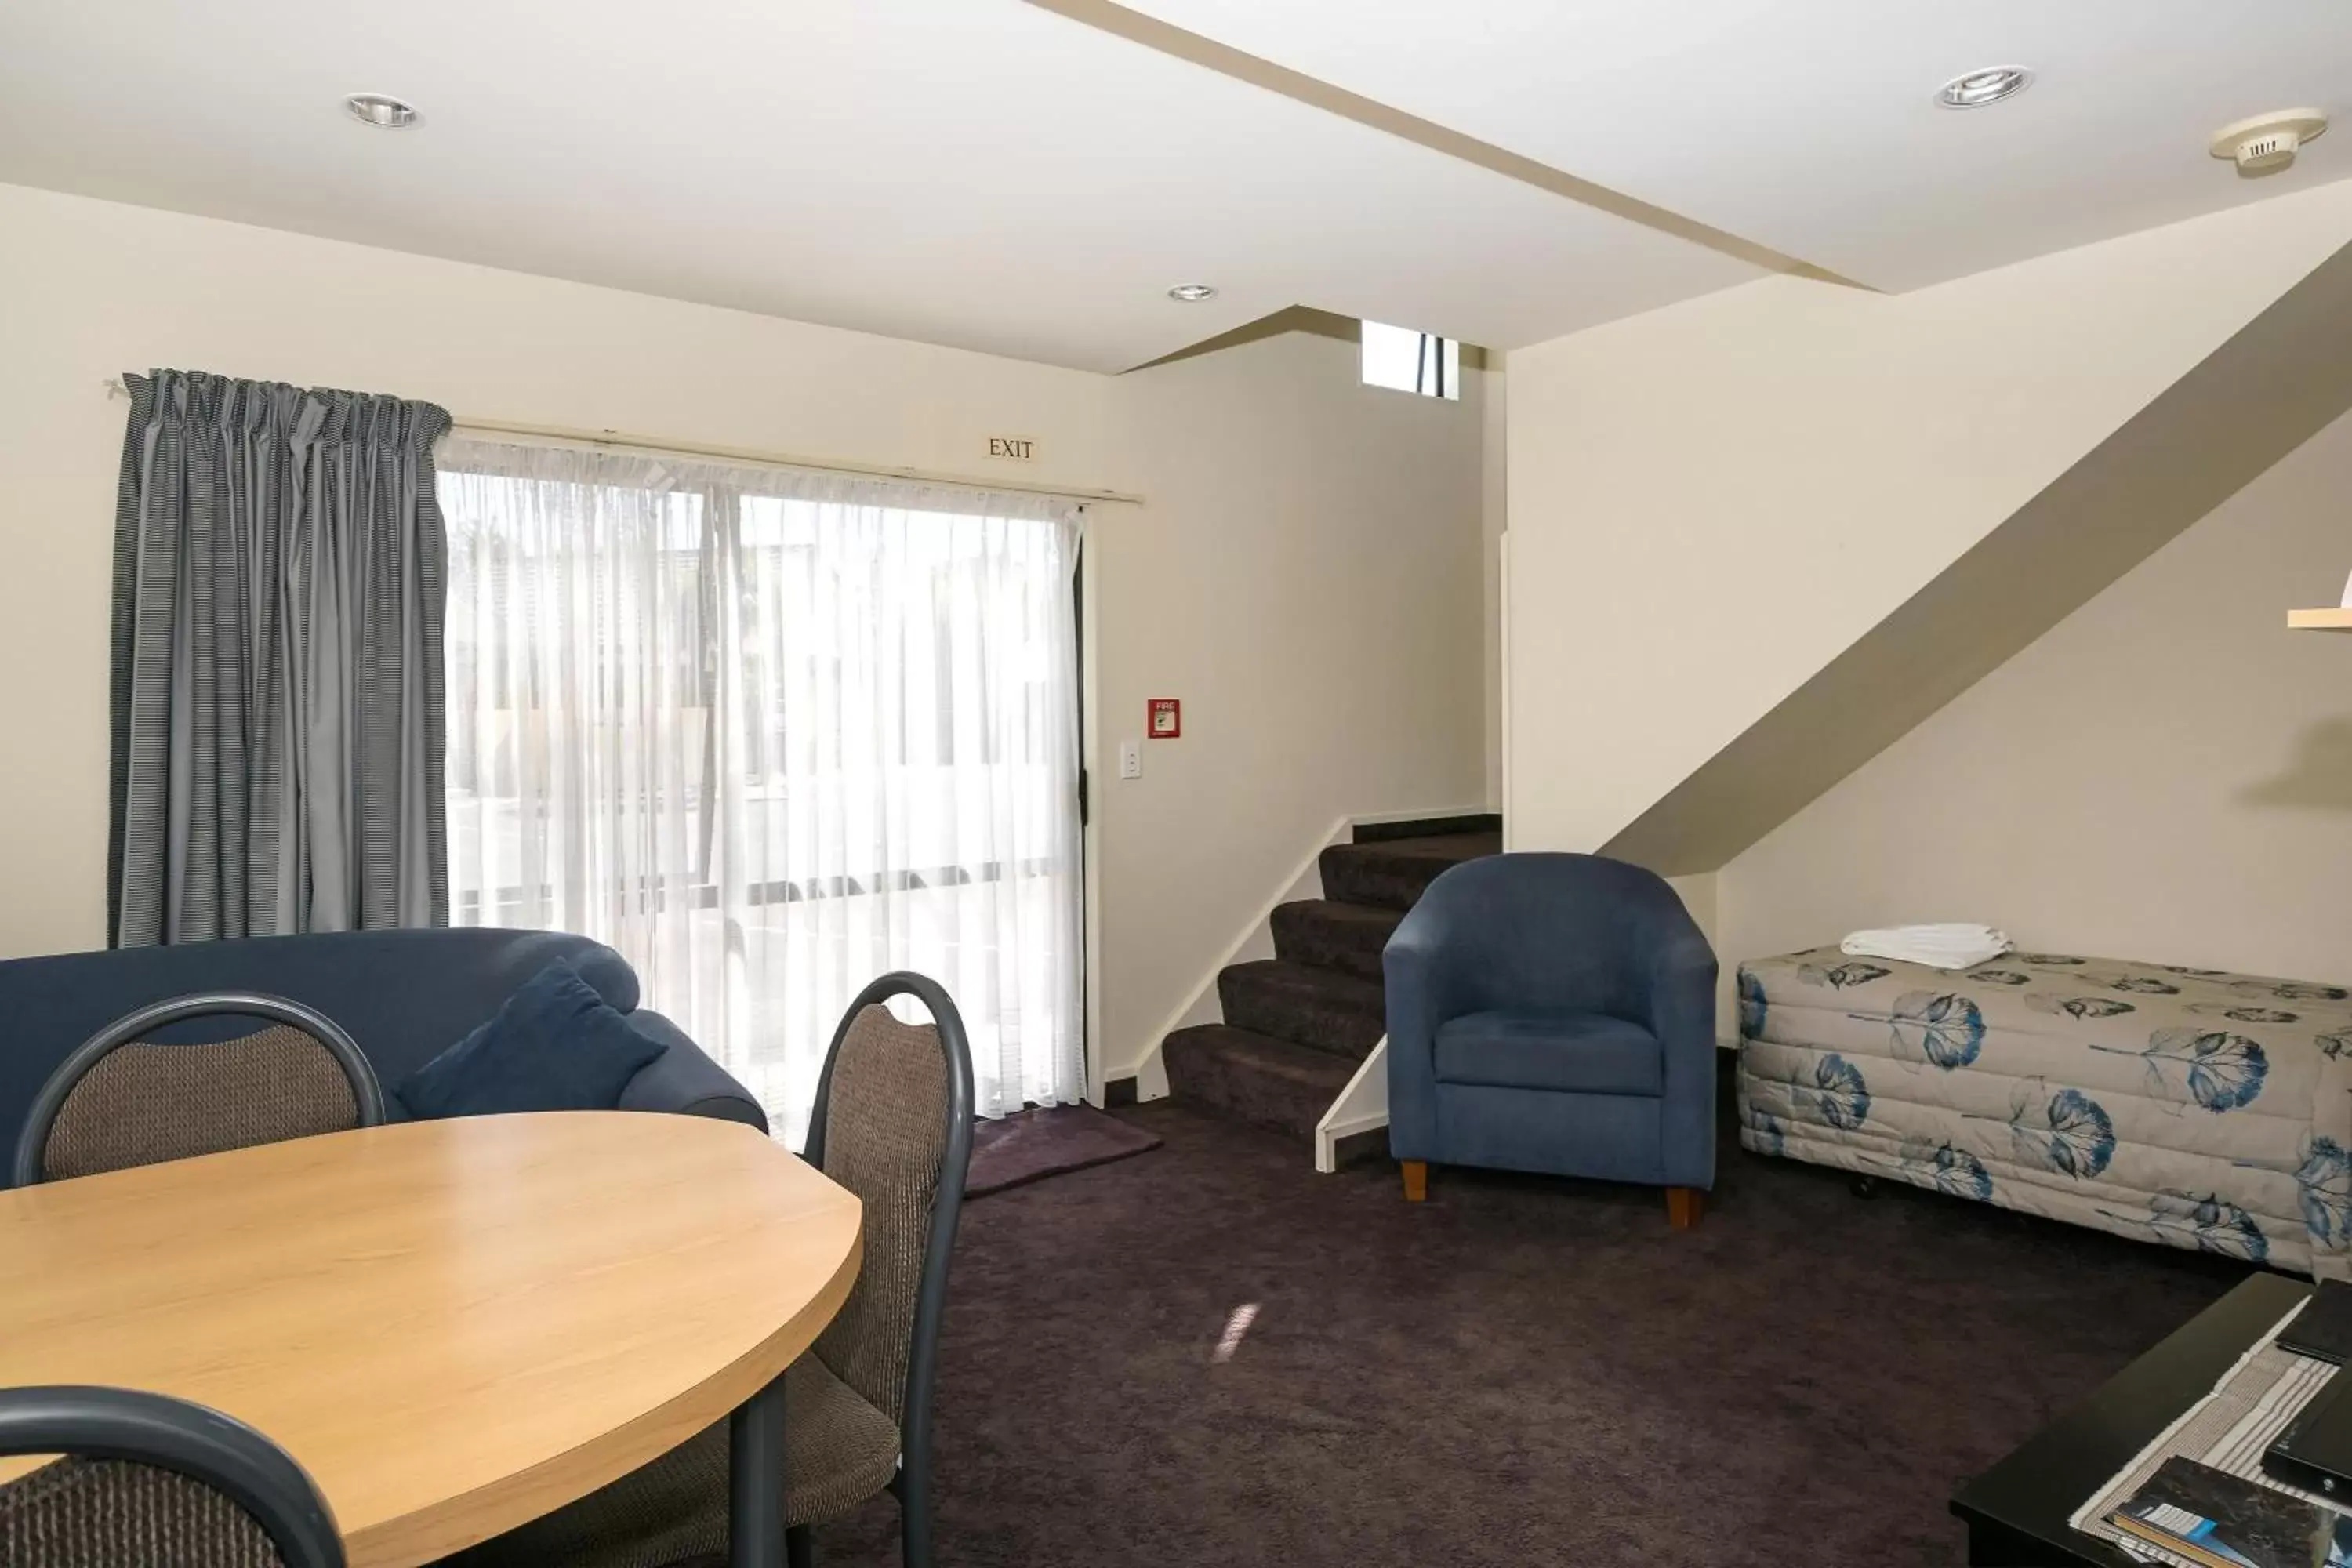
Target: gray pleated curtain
280	581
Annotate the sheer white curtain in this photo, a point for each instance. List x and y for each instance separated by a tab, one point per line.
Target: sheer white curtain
772	733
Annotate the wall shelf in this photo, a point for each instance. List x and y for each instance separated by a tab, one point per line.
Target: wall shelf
2319	620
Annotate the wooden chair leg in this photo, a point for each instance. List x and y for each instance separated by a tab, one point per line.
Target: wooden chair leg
1684	1205
1416	1180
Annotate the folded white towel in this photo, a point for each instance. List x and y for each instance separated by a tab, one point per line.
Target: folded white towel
1947	946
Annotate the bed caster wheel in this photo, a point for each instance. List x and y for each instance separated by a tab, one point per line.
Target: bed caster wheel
1865	1186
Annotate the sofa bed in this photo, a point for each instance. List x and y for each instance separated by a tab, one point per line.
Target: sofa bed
2190	1106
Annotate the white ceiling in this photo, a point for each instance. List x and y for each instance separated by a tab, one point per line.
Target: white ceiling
1811	126
987	174
971	171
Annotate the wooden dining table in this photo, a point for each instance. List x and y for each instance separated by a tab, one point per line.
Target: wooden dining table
454	1326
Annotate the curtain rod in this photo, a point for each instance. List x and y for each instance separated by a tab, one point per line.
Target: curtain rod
657	446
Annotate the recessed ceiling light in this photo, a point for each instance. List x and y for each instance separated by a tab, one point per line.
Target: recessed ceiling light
383	112
1193	293
1979	88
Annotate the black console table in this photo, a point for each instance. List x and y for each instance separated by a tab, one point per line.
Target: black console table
2017	1510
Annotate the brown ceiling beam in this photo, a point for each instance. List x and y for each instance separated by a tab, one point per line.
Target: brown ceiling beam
2279	380
1293	318
1241	66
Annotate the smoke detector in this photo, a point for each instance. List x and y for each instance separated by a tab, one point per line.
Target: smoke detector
2268	142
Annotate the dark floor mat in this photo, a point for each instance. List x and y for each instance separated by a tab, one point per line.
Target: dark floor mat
1031	1145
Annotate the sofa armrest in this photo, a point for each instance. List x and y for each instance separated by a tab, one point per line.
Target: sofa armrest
1682	1014
1682	976
684	1081
1424	988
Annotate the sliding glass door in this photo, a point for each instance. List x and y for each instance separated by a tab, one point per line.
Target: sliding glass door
770	734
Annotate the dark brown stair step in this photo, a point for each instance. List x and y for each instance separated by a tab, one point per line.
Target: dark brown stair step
1392	873
1271	1082
1320	1008
1429	827
1332	935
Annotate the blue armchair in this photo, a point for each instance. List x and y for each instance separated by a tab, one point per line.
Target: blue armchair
403	996
1554	1013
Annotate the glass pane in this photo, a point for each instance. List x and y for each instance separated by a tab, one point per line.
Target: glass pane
771	745
1407	361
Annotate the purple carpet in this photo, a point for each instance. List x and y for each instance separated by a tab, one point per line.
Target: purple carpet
1518	1371
1031	1145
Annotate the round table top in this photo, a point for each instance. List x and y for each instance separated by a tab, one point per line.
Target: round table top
454	1326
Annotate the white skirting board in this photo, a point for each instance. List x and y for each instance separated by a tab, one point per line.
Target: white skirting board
1362	1107
1257	940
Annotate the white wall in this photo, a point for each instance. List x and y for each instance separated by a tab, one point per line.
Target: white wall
1304	576
1709	502
2166	775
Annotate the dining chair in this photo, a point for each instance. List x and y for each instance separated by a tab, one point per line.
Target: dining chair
892	1122
122	1099
152	1480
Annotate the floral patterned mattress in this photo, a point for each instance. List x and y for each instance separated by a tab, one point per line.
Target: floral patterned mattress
2185	1106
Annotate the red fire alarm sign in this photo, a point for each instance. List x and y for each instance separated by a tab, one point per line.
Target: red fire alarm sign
1164	718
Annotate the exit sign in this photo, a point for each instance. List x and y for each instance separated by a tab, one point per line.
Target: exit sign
1013	449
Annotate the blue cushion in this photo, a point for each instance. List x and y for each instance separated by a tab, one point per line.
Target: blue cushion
1572	1053
555	1045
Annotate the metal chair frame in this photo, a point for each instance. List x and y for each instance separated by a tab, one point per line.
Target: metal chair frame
913	1482
218	1450
33	1141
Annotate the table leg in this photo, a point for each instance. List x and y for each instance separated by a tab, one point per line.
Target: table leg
755	1480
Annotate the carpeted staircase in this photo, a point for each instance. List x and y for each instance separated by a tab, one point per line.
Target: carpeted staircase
1297	1026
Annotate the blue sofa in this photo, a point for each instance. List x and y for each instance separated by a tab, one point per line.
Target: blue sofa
1553	1014
403	995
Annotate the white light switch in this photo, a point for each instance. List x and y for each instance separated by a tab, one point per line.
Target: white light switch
1131	759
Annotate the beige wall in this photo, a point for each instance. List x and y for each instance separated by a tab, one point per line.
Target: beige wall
1702	897
1307	580
1494	509
1709	502
2166	775
1304	576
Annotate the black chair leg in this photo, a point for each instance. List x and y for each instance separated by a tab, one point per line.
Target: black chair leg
755	1464
800	1548
915	1525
